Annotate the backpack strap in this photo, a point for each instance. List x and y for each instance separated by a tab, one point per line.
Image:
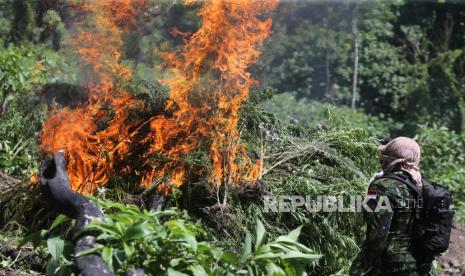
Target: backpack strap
404	179
417	193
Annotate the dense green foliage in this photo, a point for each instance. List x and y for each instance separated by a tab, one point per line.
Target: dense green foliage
335	162
24	70
410	60
169	243
444	161
314	114
442	149
135	239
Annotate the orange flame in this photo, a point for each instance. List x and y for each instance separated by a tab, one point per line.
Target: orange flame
93	150
99	42
208	85
92	153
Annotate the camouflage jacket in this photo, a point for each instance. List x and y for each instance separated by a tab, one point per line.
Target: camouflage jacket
386	249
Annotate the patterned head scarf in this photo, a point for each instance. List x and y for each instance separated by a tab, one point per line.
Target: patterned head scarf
402	153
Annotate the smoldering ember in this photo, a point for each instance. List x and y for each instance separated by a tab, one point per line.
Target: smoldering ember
232	137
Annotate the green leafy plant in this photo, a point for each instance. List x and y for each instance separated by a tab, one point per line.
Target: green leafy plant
283	256
336	161
10	159
314	114
24	70
168	243
443	161
53	247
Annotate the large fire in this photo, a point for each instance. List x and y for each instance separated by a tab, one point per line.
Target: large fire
92	150
208	85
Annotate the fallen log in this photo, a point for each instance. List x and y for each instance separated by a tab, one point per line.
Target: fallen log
56	192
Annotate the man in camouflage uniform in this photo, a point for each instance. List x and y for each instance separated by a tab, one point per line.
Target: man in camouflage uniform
387	247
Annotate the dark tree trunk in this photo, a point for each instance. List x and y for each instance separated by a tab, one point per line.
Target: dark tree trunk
5	100
355	44
327	61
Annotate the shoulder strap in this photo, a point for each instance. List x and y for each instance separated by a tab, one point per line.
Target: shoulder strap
415	217
404	180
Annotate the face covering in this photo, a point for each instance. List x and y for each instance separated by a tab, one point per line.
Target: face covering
404	154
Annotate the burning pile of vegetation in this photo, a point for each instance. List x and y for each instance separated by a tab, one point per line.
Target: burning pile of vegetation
209	83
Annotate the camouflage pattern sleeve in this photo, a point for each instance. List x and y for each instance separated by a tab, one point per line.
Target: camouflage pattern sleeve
378	216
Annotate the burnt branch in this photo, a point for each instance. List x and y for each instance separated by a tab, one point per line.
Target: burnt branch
56	192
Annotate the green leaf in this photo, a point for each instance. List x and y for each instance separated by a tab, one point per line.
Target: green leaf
52	267
60	219
137	231
120	227
283	247
107	256
260	234
172	272
294	234
55	247
129	250
108	228
275	270
229	257
35	238
247	248
269	255
120	256
198	270
96	249
106	237
300	255
192	242
175	262
21	78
